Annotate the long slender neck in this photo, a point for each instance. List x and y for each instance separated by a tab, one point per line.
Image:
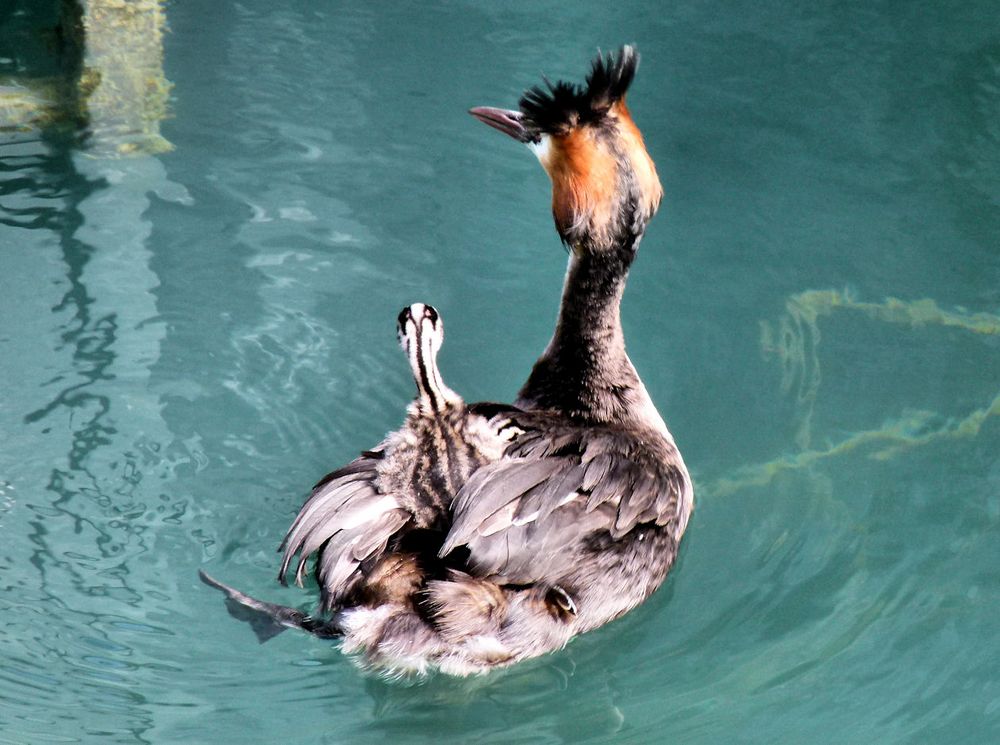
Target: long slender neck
433	395
585	372
589	327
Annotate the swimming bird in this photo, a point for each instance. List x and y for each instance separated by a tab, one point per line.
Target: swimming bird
376	525
402	486
571	512
609	496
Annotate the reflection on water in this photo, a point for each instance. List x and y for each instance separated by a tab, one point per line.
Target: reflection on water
92	64
84	512
795	342
187	341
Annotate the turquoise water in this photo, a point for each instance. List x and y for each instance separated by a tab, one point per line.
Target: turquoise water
189	340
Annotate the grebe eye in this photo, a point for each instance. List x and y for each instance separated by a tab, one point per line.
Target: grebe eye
430	313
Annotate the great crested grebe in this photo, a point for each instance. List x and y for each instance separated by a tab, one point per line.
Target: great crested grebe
609	496
604	192
566	511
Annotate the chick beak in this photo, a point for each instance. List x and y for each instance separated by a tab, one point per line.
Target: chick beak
509	122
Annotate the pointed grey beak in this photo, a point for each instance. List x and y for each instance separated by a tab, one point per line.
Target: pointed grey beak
507	121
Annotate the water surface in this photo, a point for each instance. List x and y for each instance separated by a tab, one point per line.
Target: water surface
189	340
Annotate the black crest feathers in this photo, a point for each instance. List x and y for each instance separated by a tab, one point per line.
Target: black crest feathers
558	107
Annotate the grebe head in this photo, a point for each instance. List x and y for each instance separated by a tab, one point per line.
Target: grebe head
604	184
421	332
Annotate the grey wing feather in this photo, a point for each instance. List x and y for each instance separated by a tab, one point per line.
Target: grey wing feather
315	516
340	561
347	520
541	500
492	491
559	482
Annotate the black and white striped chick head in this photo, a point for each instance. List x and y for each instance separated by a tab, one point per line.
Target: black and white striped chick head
604	184
421	332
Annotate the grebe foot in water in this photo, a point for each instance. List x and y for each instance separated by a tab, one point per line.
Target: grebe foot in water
268	619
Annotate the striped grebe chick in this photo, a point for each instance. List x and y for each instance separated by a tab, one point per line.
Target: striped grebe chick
376	527
404	485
